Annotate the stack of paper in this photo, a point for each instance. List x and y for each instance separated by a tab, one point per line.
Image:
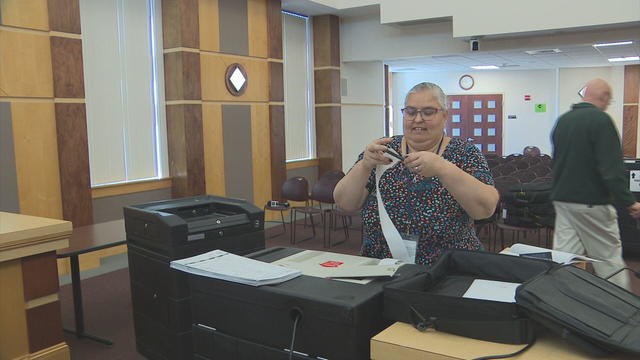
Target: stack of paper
222	265
538	252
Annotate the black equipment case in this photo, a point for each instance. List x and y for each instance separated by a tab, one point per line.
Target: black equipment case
162	231
240	322
434	298
529	205
584	309
578	306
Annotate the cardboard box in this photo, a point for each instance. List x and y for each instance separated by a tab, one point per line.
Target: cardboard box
403	341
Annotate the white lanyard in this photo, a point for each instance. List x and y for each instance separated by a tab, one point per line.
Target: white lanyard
400	249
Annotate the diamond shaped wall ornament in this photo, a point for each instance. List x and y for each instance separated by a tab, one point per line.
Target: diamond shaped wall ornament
236	79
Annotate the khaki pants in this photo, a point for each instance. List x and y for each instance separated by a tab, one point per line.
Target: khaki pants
591	229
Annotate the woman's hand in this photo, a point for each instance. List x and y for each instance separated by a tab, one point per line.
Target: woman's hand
374	154
424	163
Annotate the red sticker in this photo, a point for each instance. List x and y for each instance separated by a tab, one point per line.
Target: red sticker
331	263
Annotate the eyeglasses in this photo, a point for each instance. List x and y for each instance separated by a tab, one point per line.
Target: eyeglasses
410	113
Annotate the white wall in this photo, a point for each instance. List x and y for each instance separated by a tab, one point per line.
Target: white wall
556	88
529	127
363	38
362	108
490	17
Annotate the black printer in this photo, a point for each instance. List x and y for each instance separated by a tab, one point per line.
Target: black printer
234	321
162	231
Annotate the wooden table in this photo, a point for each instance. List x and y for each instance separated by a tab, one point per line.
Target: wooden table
86	239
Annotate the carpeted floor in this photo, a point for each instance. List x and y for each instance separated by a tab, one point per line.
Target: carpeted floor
107	299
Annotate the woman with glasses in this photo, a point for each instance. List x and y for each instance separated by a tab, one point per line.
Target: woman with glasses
432	186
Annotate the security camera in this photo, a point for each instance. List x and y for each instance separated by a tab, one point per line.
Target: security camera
474	44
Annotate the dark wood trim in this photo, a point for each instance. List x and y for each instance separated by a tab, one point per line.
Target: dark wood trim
276	81
44	326
64	16
66	63
328	138
40	275
186	150
73	157
278	150
180	24
274	29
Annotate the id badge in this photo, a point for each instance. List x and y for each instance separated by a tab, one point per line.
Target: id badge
411	243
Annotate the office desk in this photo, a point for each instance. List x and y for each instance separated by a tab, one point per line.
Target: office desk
403	341
86	239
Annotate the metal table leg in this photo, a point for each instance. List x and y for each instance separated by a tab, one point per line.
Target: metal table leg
77	304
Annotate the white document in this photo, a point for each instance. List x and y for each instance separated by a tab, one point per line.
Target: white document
326	264
492	290
560	257
222	265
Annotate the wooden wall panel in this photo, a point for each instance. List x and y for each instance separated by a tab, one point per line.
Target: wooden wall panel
276	81
631	84
630	130
25	64
327	86
274	29
182	76
258	33
40	275
36	149
44	326
73	155
326	40
25	14
13	323
209	25
278	150
64	16
180	26
213	72
328	138
261	146
186	151
68	76
213	148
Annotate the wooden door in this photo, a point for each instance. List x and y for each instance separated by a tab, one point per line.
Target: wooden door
477	118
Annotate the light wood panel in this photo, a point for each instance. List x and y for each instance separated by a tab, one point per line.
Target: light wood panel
261	157
25	64
257	14
213	71
213	149
13	323
209	25
36	151
30	14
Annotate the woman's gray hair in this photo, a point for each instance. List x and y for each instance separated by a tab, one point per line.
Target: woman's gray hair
433	88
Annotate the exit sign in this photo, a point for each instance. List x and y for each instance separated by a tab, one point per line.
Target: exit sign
527	98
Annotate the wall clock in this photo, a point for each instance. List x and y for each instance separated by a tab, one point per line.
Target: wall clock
466	82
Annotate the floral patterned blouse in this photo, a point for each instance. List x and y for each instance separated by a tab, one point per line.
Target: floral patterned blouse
422	207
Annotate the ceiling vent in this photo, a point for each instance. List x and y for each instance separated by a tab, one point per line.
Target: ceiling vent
543	52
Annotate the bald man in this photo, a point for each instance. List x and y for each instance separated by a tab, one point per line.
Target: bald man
588	178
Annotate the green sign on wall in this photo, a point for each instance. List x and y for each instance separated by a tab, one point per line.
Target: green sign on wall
541	107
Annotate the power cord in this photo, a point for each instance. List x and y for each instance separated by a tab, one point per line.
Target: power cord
533	341
296	314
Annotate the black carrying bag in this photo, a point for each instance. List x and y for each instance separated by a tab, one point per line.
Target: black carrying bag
433	299
585	309
528	205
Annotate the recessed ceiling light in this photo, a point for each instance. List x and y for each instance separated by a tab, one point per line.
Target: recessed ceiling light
628	58
613	43
484	67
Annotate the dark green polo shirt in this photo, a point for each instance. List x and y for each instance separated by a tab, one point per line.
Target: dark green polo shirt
587	159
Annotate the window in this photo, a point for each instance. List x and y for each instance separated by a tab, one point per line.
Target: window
298	87
124	89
